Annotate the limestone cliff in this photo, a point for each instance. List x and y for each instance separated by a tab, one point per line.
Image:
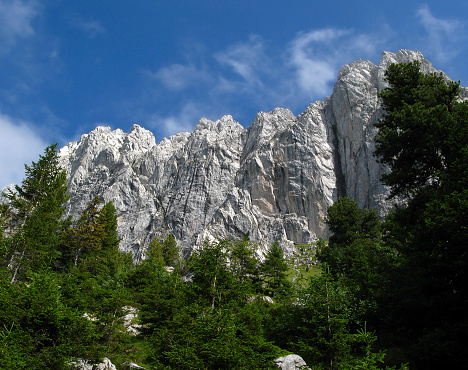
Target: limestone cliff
274	180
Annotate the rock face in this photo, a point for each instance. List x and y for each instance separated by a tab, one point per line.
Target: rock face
273	180
81	364
290	362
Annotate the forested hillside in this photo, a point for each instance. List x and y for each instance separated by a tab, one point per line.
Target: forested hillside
386	293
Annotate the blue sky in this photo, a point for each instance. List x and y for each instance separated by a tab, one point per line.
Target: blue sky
69	66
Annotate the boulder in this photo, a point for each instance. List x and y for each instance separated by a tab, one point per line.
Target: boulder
290	362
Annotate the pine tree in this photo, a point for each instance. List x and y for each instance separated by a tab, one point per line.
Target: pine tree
244	264
84	241
415	137
274	270
97	270
423	138
37	206
165	252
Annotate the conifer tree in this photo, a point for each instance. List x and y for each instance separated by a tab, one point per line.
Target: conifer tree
274	270
38	205
423	139
85	240
244	264
166	251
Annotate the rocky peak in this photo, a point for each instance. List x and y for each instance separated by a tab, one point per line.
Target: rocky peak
273	180
138	142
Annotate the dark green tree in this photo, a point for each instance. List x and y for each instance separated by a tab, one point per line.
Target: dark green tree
84	242
166	251
351	228
273	270
315	324
244	264
213	281
347	222
423	138
416	133
97	270
208	323
37	330
37	206
108	218
356	256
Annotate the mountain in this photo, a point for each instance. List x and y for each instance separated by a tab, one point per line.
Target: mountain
273	180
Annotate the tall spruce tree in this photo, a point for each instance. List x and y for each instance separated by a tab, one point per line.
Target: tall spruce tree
166	251
423	138
274	270
84	241
37	206
415	137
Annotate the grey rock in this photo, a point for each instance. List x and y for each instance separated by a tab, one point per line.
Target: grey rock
81	364
290	362
273	180
130	320
130	365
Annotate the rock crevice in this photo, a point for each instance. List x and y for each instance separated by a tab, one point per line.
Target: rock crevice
273	180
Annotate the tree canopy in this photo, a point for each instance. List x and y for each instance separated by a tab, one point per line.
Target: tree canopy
416	135
423	139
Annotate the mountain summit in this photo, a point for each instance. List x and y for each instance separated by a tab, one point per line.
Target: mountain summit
273	180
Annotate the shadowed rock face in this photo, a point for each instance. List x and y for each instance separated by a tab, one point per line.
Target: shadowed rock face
274	180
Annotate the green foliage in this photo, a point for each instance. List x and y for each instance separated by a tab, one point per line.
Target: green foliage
244	264
423	139
414	137
165	251
83	242
349	223
274	272
356	256
35	219
213	280
95	283
37	330
322	323
316	326
211	322
364	356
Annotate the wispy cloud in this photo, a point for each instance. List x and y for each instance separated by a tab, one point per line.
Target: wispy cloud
16	17
246	59
314	64
91	28
316	56
177	77
20	145
255	74
183	121
442	35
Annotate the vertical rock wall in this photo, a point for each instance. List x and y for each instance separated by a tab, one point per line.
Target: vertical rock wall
273	180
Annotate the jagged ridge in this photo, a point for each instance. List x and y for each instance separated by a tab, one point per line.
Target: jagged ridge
274	180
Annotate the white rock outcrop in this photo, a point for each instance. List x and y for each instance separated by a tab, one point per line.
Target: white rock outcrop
291	362
81	364
273	180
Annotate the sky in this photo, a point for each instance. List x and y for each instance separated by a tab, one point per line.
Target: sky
67	67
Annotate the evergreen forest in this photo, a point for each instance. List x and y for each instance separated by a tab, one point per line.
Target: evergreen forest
379	294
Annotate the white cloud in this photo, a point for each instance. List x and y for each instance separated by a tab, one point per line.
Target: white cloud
443	35
247	59
253	73
16	18
184	121
317	56
177	77
20	145
90	28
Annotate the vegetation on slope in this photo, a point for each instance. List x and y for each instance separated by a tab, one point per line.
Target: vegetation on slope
376	295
